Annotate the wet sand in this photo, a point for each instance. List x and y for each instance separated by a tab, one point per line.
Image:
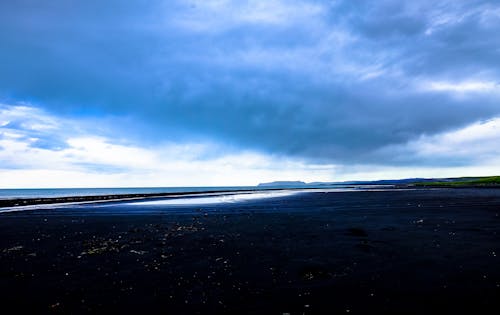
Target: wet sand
373	252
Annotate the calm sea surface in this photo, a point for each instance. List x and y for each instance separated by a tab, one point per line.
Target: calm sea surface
65	192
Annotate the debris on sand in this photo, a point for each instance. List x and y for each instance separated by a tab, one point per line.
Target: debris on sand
314	273
13	249
138	252
101	247
55	305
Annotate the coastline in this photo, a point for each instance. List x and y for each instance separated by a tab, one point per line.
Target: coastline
67	200
20	203
25	203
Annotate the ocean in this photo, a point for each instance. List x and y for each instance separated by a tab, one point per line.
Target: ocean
70	192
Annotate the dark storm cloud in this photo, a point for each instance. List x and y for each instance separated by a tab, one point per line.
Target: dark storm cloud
328	81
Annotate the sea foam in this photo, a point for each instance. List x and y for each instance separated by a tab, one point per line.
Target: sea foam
217	199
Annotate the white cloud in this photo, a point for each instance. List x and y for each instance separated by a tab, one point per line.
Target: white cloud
477	141
461	87
29	118
221	15
473	147
92	160
377	172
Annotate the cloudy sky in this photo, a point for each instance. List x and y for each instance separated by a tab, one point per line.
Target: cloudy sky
214	92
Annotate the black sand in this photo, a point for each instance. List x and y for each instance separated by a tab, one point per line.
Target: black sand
393	252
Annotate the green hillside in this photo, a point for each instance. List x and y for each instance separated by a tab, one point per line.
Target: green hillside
464	181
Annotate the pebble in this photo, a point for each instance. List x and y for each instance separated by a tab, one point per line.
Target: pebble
13	249
138	252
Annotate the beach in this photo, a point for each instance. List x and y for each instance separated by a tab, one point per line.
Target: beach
395	251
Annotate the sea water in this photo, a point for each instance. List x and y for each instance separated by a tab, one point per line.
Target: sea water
70	192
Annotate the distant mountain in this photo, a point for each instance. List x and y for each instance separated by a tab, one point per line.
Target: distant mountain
283	183
376	182
455	181
392	181
323	183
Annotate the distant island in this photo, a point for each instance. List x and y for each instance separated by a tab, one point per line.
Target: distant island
283	184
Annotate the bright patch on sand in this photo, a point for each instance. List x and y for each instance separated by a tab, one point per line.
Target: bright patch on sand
229	198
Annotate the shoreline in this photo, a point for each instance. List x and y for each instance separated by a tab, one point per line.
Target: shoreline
15	203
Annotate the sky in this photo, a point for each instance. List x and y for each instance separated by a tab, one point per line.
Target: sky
221	93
